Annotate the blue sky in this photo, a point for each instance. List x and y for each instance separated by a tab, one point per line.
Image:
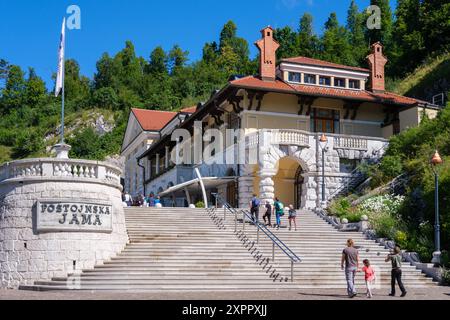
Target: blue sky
29	30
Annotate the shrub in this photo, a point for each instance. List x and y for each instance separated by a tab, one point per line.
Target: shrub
340	207
200	204
445	277
401	239
384	225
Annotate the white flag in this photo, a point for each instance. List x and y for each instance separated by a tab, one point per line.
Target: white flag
60	75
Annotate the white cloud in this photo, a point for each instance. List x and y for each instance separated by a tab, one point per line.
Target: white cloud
290	4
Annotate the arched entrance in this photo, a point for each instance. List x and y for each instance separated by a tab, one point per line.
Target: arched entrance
289	182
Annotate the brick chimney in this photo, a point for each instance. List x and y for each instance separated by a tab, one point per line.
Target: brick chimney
377	61
267	47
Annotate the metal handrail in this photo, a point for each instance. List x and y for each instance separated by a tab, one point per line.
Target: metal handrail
272	237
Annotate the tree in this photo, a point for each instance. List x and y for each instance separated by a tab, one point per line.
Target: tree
76	85
105	75
227	35
287	38
409	43
307	40
210	52
158	62
177	59
35	89
239	46
436	25
383	35
4	69
105	98
335	43
355	26
13	95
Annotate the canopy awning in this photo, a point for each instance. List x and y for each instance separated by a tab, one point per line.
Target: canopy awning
193	185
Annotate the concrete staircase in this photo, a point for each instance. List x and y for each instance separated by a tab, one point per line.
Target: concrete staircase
174	249
320	246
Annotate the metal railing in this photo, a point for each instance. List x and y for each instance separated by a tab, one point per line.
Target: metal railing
260	228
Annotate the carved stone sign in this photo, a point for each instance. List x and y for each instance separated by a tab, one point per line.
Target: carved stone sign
73	216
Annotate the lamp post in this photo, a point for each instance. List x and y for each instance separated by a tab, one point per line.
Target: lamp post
435	161
323	142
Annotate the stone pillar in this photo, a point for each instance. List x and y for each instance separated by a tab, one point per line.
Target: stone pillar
267	185
245	191
167	158
157	163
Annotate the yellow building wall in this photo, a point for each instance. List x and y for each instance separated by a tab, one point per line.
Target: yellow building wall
413	116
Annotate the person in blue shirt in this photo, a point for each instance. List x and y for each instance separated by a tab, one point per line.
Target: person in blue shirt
254	208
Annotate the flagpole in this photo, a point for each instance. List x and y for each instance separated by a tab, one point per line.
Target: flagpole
63	95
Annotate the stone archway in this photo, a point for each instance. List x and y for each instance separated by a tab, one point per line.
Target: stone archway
289	181
298	162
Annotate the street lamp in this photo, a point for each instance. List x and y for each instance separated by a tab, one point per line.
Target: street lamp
435	161
323	142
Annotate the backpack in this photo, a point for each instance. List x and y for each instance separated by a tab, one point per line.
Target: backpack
256	203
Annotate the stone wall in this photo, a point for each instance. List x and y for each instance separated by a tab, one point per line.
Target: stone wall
28	255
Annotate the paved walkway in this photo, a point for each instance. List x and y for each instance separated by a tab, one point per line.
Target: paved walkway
436	293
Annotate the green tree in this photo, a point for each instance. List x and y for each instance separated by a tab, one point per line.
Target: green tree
355	26
35	89
409	43
158	62
335	43
307	41
13	95
227	35
384	35
76	85
210	52
105	98
287	38
177	59
105	75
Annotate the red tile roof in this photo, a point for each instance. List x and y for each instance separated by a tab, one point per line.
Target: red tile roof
321	63
189	110
363	95
153	120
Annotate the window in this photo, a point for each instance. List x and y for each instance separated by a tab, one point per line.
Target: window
310	78
324	81
325	120
348	165
354	84
294	77
339	82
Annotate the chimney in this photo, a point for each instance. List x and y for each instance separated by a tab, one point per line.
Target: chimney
377	61
267	47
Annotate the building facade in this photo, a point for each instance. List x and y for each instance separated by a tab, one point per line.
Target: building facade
283	113
143	129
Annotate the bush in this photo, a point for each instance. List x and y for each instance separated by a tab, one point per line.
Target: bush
384	225
445	277
340	207
200	204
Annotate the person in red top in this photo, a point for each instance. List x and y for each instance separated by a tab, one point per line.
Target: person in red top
369	275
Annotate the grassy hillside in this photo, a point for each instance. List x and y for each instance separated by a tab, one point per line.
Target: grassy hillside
431	78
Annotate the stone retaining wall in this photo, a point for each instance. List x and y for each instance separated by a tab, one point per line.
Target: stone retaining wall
28	255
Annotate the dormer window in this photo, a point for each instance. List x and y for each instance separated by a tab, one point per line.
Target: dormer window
339	82
354	84
310	78
324	81
294	77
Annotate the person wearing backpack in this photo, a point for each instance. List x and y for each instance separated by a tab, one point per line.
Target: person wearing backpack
396	259
279	212
254	208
